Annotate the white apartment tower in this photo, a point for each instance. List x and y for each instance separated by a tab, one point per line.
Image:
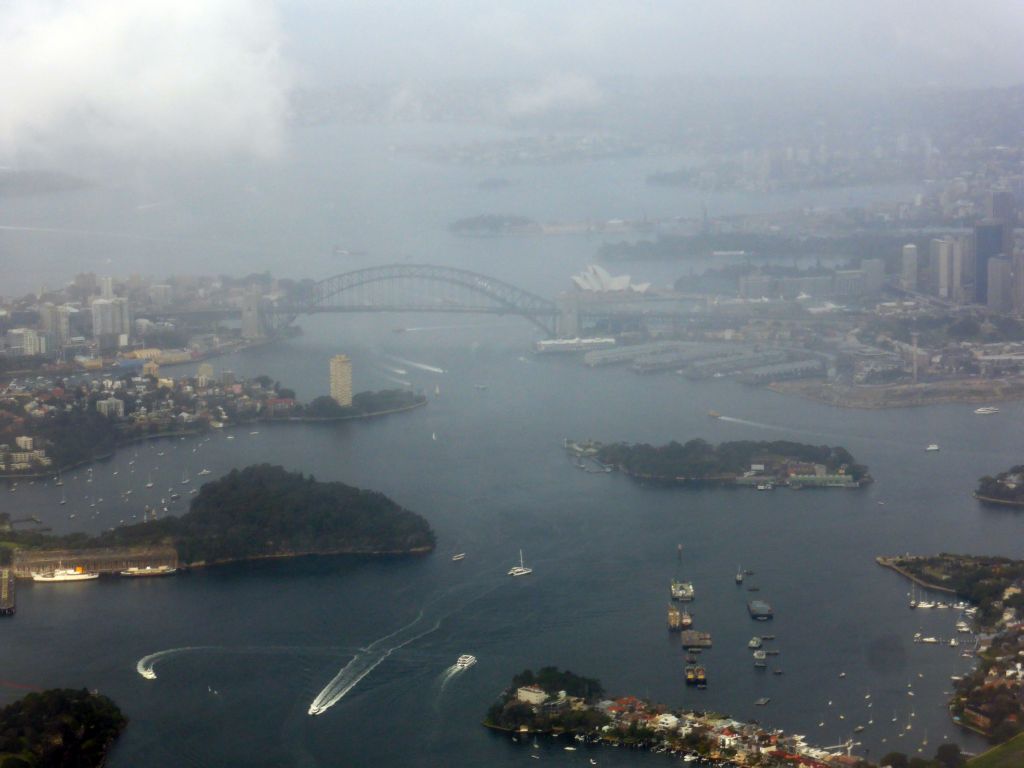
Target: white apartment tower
341	380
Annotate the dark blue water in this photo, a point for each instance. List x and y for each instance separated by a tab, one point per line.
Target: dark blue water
269	637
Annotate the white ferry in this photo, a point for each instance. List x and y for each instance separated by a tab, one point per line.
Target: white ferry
986	410
65	574
149	570
932	447
465	661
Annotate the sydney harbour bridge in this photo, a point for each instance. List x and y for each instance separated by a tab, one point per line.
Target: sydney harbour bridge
424	288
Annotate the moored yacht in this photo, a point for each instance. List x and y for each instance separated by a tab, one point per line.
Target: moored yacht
521	569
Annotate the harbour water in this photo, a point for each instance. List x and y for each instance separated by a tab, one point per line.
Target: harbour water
242	652
249	648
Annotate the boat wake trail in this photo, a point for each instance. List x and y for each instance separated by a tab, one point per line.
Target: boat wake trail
420	366
368	660
372	656
145	665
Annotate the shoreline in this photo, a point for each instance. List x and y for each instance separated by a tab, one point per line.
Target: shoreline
1001	502
902	395
194	433
890	562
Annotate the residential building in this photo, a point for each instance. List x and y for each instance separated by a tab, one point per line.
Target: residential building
112	406
341	380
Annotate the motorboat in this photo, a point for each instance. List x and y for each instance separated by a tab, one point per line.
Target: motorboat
459	556
986	410
932	447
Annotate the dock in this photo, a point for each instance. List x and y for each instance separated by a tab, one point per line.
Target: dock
7	605
111	560
691	638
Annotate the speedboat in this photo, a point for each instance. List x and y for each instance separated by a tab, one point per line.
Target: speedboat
459	556
465	661
521	569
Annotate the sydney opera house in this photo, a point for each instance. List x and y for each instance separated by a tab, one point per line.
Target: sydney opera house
595	279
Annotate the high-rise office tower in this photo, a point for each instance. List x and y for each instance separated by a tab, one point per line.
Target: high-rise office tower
1000	284
908	272
989	237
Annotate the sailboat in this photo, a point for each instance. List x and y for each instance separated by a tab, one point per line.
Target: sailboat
519	570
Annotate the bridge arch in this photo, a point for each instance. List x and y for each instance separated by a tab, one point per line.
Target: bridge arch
423	288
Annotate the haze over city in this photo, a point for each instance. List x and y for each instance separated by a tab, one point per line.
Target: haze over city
479	383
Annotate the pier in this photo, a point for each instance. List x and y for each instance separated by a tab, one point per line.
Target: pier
111	560
7	605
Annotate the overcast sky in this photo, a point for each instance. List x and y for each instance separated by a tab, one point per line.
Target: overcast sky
902	41
213	75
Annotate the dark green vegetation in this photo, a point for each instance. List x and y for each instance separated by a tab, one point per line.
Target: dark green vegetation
1006	487
363	404
942	330
946	756
700	460
980	580
510	713
58	728
264	511
1008	755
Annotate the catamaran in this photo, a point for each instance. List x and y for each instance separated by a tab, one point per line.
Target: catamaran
519	570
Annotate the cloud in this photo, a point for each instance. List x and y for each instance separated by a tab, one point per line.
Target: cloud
152	75
555	93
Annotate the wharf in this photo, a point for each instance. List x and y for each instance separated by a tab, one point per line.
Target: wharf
7	604
691	638
111	560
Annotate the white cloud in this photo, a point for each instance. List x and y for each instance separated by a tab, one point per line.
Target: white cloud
153	75
558	92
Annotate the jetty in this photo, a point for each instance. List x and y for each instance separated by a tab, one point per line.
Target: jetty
108	560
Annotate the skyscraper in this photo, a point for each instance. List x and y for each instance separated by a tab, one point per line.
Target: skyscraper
989	236
341	380
908	273
940	257
1000	284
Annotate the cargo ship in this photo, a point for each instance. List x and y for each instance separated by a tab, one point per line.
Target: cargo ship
760	610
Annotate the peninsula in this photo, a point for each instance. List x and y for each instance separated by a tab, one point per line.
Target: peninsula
758	464
561	704
1006	488
59	727
989	699
259	512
